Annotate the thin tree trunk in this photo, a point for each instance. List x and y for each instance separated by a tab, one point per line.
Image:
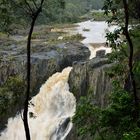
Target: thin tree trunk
25	113
131	50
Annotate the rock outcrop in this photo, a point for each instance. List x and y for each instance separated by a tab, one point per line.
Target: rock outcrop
45	61
90	78
100	53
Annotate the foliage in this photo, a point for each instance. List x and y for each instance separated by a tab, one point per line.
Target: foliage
118	120
118	115
100	16
53	12
115	7
77	37
115	121
10	94
66	38
14	12
5	16
87	117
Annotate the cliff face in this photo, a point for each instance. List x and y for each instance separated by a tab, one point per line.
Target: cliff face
90	78
45	61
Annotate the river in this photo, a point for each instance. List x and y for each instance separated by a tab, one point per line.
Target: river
53	107
94	33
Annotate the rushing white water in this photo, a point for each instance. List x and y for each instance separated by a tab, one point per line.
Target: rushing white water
96	32
52	109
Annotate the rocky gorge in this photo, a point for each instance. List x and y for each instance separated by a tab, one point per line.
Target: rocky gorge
45	61
88	77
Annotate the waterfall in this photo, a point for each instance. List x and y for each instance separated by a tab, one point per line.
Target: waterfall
50	112
53	107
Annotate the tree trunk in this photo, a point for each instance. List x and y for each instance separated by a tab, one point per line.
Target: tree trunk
25	113
130	63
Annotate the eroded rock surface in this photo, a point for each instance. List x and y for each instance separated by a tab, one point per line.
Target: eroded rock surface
45	61
90	78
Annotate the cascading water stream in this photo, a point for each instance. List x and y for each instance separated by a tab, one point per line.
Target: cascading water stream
53	107
51	111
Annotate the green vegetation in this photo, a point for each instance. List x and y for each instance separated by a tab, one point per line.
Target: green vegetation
120	119
97	15
111	123
11	92
77	37
14	17
2	35
67	38
100	16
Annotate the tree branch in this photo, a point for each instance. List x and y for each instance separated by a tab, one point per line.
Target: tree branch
28	5
35	14
35	4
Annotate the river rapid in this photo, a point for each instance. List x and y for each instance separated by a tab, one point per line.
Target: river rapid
94	33
53	107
